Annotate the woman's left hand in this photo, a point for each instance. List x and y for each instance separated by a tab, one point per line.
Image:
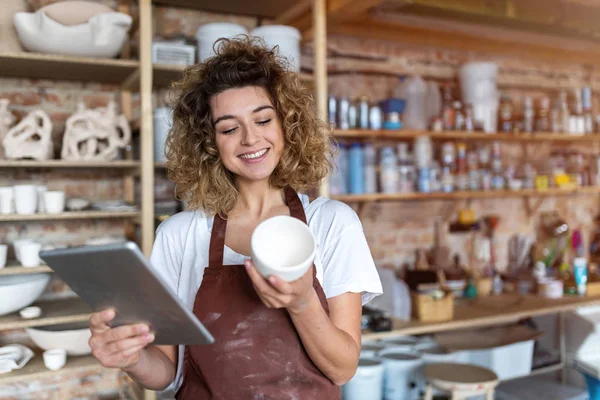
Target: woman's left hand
277	293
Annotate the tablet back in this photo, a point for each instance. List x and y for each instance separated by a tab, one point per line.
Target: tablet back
118	276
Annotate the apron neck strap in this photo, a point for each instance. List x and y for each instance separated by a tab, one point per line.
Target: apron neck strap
217	236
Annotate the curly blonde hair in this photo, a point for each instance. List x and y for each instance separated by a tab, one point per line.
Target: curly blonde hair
193	160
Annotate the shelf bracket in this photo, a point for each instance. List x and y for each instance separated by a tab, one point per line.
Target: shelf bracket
531	210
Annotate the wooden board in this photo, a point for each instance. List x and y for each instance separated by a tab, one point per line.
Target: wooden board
489	194
258	8
58	67
35	369
68	164
368	134
165	75
15	269
69	215
54	312
488	311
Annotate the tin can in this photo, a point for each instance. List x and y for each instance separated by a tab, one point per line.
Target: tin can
343	108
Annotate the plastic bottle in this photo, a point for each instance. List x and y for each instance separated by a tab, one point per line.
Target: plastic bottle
356	169
338	181
389	171
370	169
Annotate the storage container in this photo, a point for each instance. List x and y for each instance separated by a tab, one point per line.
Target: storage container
208	34
367	382
173	54
286	37
425	308
401	371
510	361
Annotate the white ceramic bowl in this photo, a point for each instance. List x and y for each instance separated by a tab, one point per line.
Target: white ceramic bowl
71	337
19	291
283	246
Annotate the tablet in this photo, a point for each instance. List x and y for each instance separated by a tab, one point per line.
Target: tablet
118	276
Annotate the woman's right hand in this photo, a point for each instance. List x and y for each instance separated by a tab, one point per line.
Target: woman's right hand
118	347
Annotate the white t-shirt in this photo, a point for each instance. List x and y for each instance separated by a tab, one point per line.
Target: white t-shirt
343	260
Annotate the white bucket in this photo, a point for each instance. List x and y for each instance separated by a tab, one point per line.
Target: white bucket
370	349
479	88
286	37
367	382
208	34
401	374
163	121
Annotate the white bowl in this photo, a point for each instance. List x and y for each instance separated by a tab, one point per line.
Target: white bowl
19	291
283	246
71	337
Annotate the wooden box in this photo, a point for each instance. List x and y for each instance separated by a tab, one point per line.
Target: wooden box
428	309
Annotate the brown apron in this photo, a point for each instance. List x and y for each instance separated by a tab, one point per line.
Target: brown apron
257	352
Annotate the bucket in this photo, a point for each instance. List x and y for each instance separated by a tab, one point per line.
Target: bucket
400	376
208	34
162	121
286	37
479	88
370	349
367	382
430	356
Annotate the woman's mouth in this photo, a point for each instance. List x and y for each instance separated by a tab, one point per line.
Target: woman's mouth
255	157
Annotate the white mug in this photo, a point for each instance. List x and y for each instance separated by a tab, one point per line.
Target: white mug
17	246
3	251
30	254
54	202
7	202
25	199
55	359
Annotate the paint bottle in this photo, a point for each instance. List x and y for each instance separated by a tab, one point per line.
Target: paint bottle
356	169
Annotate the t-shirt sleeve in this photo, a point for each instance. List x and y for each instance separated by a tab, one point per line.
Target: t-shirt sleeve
348	265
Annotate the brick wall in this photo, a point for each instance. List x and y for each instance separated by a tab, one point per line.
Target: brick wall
394	230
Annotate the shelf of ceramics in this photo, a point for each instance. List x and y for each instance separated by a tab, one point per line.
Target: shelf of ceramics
59	67
465	195
54	312
259	8
35	369
488	311
68	164
68	215
164	75
15	269
466	136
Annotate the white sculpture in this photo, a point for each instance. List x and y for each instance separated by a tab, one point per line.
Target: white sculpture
102	35
95	134
6	121
30	138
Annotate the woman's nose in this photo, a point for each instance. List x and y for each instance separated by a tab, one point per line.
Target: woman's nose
250	136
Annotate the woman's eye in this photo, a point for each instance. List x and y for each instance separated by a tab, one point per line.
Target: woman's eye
228	131
264	122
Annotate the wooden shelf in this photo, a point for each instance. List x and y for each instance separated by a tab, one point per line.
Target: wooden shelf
16	269
488	311
466	136
68	164
258	8
54	312
164	75
59	67
35	369
69	216
489	194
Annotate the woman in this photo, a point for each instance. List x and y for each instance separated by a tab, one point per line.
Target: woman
244	138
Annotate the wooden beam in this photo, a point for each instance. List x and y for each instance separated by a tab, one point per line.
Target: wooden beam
344	9
319	13
420	36
301	9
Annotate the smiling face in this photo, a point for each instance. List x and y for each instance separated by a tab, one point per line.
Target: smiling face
249	136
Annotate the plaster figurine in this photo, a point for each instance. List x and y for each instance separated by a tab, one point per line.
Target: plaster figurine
6	121
30	138
95	134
